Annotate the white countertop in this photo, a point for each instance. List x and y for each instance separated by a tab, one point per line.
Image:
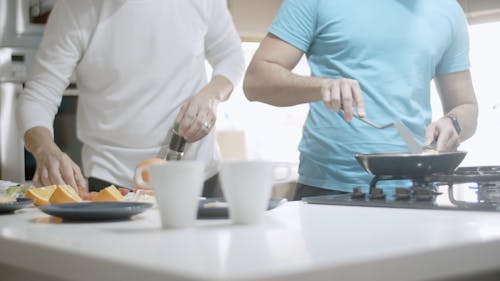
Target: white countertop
297	241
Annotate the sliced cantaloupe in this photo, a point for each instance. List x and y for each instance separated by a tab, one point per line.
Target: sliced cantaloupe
64	194
41	195
108	194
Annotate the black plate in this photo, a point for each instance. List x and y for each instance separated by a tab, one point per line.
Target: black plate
11	207
216	207
96	211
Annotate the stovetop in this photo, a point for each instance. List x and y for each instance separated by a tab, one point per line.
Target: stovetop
468	188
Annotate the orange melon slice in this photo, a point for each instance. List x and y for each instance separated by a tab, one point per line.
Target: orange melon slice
64	194
108	194
41	195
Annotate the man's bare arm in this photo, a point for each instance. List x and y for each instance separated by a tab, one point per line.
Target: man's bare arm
269	79
457	98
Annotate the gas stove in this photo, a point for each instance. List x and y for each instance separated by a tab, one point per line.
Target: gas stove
467	188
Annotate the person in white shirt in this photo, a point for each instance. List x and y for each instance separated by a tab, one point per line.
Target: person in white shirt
140	67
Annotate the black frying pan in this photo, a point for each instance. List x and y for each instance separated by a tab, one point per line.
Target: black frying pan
410	165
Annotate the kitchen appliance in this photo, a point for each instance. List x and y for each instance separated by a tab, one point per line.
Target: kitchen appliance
467	188
13	72
22	24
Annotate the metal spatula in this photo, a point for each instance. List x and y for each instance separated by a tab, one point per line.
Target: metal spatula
405	134
413	146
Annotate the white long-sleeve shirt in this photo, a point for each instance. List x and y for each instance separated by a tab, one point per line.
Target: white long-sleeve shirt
136	62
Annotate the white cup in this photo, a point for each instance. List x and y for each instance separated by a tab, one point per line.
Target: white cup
177	186
247	187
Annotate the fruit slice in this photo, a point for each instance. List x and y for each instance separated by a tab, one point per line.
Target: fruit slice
64	194
88	196
107	194
6	199
16	191
124	191
41	195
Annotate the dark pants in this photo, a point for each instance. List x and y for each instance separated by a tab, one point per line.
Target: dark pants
302	190
211	187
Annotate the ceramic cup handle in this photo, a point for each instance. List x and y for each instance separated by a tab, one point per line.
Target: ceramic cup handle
139	176
284	168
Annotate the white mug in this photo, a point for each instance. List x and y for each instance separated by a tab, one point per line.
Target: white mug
177	186
247	187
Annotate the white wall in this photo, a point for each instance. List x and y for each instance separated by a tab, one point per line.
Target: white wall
272	133
484	147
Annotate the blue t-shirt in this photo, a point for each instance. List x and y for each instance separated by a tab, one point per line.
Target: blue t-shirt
393	48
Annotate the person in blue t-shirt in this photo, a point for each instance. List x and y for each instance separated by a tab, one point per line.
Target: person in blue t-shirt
373	58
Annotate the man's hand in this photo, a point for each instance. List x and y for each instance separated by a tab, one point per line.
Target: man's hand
55	167
52	165
443	132
198	115
343	94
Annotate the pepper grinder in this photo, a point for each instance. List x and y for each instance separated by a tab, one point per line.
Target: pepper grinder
176	146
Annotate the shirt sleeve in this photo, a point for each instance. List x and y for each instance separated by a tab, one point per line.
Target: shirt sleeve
296	23
456	56
55	62
222	44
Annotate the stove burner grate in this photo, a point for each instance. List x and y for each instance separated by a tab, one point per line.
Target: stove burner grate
476	174
467	188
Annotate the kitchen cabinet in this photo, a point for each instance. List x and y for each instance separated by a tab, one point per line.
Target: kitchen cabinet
296	241
253	17
481	11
